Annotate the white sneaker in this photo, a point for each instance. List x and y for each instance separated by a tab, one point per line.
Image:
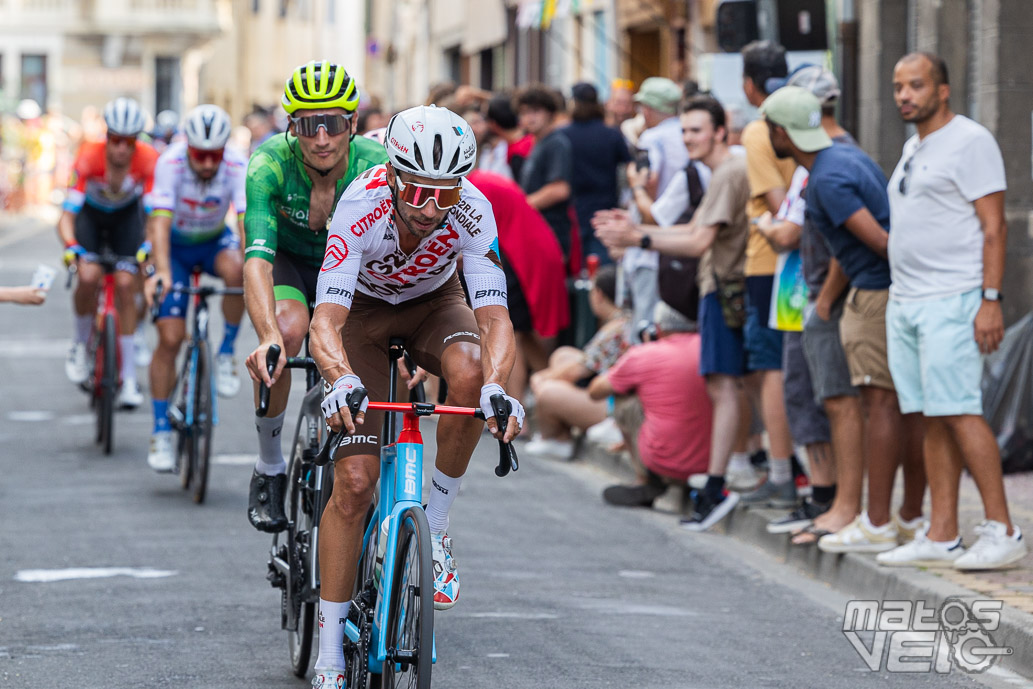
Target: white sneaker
75	365
550	447
160	457
329	679
908	530
995	549
922	552
227	382
605	432
129	396
742	479
142	357
860	536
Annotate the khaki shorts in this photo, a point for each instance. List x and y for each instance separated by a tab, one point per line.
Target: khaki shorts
863	331
429	324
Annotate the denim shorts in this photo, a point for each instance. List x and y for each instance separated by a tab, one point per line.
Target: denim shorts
936	364
763	345
721	348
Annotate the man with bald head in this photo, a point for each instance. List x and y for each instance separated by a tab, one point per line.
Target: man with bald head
946	255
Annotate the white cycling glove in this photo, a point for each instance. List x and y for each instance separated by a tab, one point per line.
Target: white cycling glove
339	393
516	409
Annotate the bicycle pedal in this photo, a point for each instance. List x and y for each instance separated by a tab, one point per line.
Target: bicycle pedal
275	578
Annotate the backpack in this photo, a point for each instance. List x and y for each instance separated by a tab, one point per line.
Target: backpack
676	275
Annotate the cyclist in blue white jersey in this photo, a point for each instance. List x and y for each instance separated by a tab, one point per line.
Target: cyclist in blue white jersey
195	182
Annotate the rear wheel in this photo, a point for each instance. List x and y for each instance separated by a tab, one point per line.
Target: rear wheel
356	655
201	433
106	382
300	511
410	622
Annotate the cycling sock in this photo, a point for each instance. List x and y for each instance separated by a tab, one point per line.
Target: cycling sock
270	453
331	635
443	492
161	415
715	488
823	494
229	338
739	463
83	327
779	470
128	347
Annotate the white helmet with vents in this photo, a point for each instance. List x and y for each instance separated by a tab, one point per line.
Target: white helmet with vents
207	127
429	141
124	117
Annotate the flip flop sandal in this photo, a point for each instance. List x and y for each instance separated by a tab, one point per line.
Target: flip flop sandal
809	535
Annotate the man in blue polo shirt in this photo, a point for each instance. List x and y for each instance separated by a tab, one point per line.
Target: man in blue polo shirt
846	198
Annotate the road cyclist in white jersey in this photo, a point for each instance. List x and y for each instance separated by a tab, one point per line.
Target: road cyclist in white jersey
195	183
390	270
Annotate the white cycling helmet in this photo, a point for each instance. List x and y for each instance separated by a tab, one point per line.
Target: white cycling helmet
429	141
124	117
166	123
207	127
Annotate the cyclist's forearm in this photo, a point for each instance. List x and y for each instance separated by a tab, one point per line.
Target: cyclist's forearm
66	228
158	230
258	296
498	346
326	341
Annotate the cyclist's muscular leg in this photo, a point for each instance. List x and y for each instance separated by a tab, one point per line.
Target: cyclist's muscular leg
340	532
171	332
268	483
126	288
458	435
89	279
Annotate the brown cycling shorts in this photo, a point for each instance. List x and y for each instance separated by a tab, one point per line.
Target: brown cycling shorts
429	324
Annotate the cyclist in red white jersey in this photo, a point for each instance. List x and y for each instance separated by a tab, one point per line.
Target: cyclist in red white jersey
390	269
105	207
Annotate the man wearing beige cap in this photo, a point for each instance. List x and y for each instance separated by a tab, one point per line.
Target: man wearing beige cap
847	201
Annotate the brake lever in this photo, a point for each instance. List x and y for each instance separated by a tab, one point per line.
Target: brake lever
159	291
333	441
507	453
272	357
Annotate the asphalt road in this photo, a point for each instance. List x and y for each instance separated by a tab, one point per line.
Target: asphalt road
558	589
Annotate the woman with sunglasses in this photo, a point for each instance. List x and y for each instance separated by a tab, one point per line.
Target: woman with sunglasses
293	183
390	270
195	182
105	208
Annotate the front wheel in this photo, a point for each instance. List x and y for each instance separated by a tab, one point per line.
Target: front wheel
107	383
300	512
201	433
410	621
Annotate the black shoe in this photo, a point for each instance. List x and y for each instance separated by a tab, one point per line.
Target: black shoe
800	518
265	502
633	496
707	512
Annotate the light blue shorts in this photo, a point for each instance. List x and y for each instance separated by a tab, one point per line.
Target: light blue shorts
934	359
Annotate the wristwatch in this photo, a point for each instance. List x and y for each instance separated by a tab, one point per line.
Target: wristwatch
647	242
992	294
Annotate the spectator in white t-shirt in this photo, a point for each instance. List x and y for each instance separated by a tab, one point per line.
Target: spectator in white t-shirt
946	254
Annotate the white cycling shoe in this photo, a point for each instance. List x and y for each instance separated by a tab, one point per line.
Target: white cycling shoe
75	365
129	396
329	679
160	457
227	382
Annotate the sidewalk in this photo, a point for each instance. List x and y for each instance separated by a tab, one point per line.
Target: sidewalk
860	576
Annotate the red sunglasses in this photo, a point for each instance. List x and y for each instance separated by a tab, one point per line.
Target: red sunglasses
117	139
202	156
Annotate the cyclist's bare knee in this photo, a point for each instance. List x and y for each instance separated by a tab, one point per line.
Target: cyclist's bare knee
171	332
461	366
292	319
354	482
230	267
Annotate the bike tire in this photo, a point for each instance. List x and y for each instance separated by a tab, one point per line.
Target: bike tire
184	432
410	619
301	514
201	435
356	655
108	359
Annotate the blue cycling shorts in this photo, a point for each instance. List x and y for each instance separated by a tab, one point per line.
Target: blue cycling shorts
183	258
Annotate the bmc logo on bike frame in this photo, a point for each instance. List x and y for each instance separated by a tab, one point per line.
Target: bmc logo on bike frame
412	491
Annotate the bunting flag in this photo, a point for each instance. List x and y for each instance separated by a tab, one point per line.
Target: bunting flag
548	12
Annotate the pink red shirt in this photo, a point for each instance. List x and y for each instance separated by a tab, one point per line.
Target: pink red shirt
675	437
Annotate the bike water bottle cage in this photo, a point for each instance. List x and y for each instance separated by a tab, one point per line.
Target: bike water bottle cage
308	126
419	195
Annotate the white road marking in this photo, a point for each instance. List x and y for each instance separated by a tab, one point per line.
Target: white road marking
35	349
234	460
636	574
498	655
30	415
47	576
512	615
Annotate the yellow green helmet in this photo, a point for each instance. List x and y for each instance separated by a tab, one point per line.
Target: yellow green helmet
318	85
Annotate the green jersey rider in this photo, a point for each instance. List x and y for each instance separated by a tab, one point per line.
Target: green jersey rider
293	184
